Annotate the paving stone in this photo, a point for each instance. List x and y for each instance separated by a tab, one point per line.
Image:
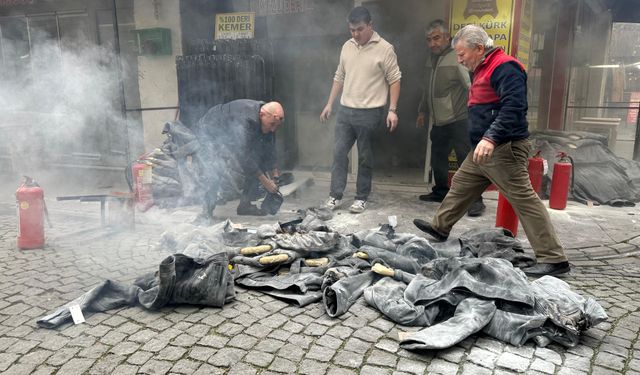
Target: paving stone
291	352
549	355
357	345
576	362
300	341
25	368
329	342
381	358
155	367
44	370
283	365
125	348
311	367
512	362
411	366
340	332
242	369
112	338
185	366
62	356
107	364
76	366
139	358
340	371
439	366
471	369
373	370
348	359
143	336
543	366
225	357
171	353
242	341
320	353
368	334
482	357
453	354
155	345
36	357
207	369
6	360
259	359
609	360
22	346
126	370
315	329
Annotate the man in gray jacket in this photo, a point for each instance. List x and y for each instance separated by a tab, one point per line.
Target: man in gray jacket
444	106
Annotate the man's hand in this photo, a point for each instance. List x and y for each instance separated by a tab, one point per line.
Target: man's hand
483	151
326	112
268	183
392	121
420	120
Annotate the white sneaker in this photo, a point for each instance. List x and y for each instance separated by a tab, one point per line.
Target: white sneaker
332	203
358	206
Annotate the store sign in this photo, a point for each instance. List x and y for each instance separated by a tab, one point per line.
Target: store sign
275	7
10	3
235	25
495	16
522	47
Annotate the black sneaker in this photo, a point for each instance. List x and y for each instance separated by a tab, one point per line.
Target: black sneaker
477	208
427	228
249	210
551	269
431	197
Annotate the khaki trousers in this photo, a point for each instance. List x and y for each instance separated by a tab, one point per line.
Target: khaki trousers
507	169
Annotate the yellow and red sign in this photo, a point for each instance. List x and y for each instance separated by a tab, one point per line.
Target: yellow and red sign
508	22
238	25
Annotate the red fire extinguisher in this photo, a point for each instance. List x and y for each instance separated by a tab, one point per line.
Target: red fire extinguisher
561	182
31	212
142	178
505	215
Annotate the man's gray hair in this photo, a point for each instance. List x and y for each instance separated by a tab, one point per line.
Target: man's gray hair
472	36
437	24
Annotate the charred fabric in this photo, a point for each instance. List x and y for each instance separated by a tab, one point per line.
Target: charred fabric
452	289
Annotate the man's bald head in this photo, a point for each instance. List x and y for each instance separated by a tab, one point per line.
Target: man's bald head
271	116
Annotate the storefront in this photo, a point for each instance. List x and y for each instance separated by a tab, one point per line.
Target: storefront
62	86
288	52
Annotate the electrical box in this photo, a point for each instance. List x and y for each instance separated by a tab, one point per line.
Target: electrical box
155	41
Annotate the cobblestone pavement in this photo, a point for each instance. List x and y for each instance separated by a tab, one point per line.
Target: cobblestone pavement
257	334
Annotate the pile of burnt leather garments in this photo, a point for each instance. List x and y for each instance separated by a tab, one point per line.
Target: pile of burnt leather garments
599	175
176	174
453	289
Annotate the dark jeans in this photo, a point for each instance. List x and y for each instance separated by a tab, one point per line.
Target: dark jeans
354	125
444	138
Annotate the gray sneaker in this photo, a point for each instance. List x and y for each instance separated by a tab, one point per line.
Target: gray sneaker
332	203
358	206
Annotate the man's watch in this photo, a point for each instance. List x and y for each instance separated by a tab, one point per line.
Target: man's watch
394	110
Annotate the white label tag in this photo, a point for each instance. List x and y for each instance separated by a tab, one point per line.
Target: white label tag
545	167
76	314
393	221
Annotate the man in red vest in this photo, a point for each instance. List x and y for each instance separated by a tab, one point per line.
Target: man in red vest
498	132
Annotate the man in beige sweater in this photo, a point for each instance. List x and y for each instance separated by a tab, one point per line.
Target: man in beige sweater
367	75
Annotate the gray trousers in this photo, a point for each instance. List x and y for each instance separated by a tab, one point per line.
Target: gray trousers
444	138
354	125
507	169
